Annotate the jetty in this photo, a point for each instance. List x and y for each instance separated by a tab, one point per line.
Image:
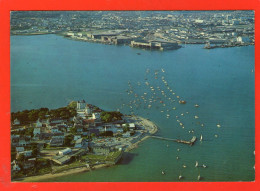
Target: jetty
190	142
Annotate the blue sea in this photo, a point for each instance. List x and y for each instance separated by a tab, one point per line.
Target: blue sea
50	71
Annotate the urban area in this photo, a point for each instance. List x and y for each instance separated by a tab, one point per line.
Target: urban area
156	30
78	136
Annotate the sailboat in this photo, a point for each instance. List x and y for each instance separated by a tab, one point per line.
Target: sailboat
199	177
197	164
200	137
180	177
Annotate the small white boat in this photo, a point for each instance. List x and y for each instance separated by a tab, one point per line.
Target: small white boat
200	137
184	166
196	105
204	166
177	158
197	164
218	125
199	177
196	117
163	173
180	177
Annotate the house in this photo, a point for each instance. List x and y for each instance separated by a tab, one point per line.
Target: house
243	39
55	130
76	137
65	151
22	142
56	121
93	130
76	120
131	126
57	141
81	143
96	116
16	122
26	154
61	159
36	131
38	123
15	166
90	122
30	163
101	150
81	104
126	134
45	136
19	149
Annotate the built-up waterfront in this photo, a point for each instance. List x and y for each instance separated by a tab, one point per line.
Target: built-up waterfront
156	30
79	135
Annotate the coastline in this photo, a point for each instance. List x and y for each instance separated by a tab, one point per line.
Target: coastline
150	128
109	43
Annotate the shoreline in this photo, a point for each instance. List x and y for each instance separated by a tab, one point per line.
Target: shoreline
150	128
107	43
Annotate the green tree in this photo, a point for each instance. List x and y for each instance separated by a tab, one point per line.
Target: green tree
72	104
35	150
21	158
29	131
68	139
73	130
126	128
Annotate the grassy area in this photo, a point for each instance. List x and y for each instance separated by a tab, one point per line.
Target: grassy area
101	158
48	147
44	170
68	166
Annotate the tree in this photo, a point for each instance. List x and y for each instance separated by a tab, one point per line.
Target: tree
73	130
68	139
29	132
35	150
21	158
72	104
126	128
108	116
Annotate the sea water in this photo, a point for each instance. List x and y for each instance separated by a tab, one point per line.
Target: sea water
50	71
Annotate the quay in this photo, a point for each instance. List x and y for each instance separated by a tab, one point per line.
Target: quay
190	142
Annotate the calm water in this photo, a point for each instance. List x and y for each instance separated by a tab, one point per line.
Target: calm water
50	71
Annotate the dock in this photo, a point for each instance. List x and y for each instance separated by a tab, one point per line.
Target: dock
190	142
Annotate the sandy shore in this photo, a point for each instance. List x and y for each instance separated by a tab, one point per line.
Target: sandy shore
149	128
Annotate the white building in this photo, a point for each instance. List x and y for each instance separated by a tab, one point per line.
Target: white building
96	116
26	153
36	131
15	166
76	137
65	151
16	122
81	104
38	123
243	39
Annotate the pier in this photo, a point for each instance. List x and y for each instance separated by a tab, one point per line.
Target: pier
190	142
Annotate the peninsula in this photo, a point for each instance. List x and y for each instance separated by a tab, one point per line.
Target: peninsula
76	138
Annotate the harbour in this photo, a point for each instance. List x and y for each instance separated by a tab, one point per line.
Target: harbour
220	81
